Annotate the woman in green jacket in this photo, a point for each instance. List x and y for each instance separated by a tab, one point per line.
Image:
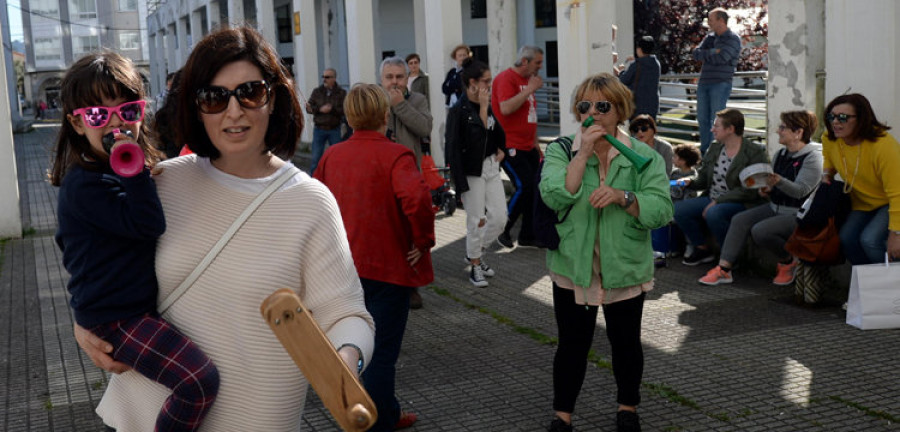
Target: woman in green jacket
605	257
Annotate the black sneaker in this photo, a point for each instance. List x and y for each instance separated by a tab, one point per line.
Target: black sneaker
505	240
558	425
531	243
627	421
697	257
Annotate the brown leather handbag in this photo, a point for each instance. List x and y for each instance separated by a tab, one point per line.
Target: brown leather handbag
816	245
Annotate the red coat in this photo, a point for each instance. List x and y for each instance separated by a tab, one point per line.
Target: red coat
385	205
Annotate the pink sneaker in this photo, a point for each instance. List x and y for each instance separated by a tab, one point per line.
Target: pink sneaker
716	276
786	274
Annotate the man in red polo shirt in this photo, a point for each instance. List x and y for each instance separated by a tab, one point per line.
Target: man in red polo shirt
513	103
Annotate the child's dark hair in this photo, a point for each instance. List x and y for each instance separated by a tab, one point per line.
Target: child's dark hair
689	153
472	69
93	77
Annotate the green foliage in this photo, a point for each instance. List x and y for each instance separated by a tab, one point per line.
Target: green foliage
677	27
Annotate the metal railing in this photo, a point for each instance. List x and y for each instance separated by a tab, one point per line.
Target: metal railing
678	102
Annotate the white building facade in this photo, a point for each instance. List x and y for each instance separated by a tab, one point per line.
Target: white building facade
58	32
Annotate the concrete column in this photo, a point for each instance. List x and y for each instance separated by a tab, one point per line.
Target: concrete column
265	20
443	19
502	44
235	12
361	41
796	53
171	48
213	15
181	33
306	72
421	33
10	217
584	38
624	43
154	70
160	57
862	54
196	30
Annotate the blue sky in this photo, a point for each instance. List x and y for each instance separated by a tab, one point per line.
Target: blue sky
15	20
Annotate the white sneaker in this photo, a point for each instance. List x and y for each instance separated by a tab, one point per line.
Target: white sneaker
488	271
476	276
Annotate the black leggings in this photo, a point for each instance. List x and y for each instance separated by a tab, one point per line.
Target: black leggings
576	325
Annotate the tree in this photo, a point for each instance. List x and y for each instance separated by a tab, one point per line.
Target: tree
677	26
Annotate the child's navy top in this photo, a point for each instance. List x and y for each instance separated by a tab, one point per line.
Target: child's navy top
108	227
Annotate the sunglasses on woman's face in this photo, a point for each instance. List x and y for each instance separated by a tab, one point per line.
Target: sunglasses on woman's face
642	128
843	118
250	95
97	117
602	107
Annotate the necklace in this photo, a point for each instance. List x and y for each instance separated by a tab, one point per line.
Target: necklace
848	183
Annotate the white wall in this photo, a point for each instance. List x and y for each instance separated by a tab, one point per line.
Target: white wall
862	54
10	219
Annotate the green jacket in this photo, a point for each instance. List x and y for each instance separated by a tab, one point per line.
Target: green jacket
749	154
626	254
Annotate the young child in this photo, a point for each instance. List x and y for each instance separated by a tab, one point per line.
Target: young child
685	158
108	228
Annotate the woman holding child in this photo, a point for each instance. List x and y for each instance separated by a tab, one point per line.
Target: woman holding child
239	111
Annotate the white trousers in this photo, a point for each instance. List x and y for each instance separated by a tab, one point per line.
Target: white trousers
484	201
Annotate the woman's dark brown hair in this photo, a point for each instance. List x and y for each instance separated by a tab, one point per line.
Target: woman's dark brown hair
211	54
87	82
805	120
867	126
640	120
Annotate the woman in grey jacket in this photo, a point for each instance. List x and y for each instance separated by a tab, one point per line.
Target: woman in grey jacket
797	170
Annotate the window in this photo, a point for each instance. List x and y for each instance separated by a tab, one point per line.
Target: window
283	23
545	13
478	9
129	40
128	5
83	9
82	45
47	49
47	8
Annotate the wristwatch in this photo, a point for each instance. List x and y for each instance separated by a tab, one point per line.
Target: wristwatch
629	199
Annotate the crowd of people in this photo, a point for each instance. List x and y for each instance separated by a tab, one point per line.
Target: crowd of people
615	179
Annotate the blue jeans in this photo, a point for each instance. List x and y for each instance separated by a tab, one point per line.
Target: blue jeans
864	236
320	137
711	98
689	217
389	306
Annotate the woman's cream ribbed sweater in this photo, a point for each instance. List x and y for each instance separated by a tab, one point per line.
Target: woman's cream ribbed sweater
296	240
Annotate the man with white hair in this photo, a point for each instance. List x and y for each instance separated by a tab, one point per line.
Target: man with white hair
409	120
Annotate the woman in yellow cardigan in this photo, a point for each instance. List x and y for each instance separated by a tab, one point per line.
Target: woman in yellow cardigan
858	147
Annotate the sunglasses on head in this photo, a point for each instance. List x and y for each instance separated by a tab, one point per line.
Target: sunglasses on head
602	107
642	128
843	118
250	95
96	117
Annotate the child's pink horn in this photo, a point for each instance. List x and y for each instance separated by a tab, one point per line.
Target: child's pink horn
126	159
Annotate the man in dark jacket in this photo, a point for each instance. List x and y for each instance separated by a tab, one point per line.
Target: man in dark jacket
642	77
326	104
719	52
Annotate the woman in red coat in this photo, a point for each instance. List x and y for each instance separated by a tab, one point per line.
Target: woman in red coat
386	208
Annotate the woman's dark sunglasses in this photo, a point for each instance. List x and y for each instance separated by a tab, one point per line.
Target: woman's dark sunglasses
642	128
843	118
602	107
96	117
250	95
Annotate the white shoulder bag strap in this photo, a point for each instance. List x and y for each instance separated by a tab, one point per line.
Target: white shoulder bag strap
226	237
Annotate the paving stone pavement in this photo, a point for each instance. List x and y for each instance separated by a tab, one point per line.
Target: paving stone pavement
738	357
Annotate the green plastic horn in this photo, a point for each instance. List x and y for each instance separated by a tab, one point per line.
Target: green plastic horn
639	161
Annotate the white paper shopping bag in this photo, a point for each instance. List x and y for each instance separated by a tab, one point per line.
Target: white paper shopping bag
874	301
